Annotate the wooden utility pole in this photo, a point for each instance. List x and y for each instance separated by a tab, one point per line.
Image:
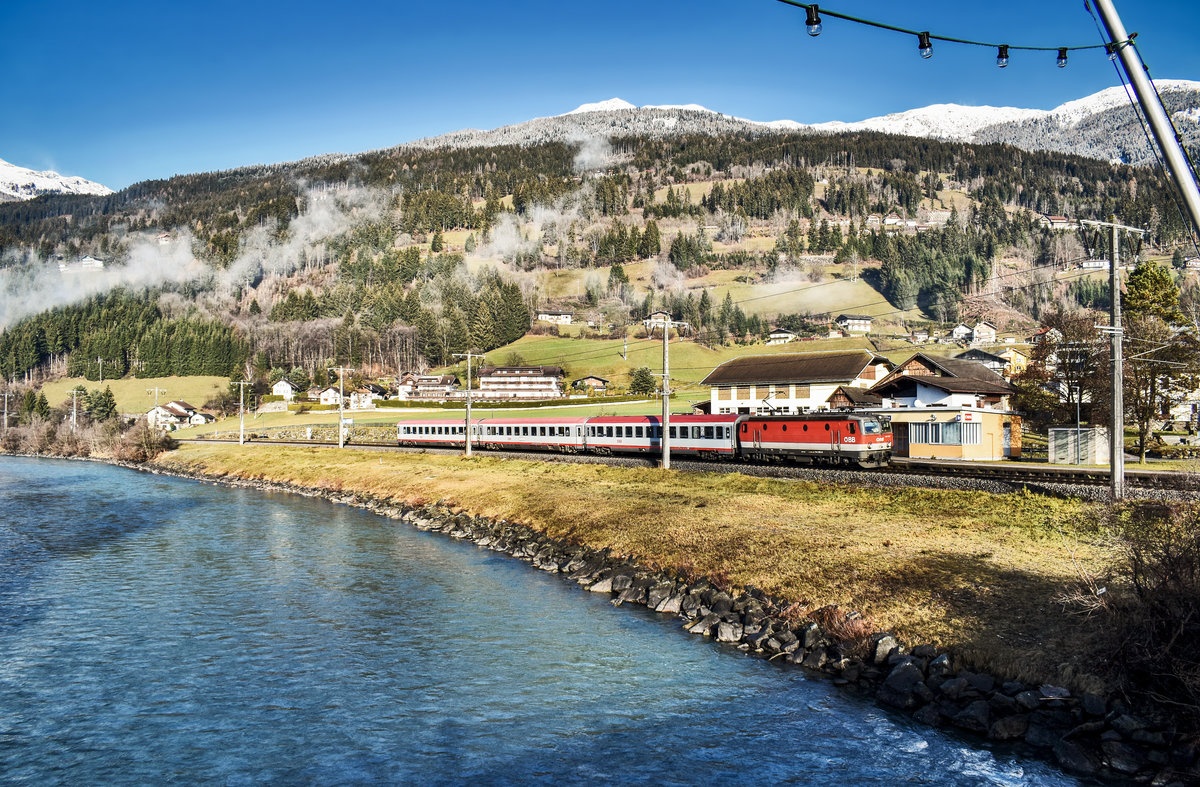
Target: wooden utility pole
468	356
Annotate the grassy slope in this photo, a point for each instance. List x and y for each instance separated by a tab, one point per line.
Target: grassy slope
971	571
135	395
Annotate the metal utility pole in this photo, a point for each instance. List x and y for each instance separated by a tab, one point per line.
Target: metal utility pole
101	362
341	370
468	356
241	411
666	394
1116	435
1173	156
156	392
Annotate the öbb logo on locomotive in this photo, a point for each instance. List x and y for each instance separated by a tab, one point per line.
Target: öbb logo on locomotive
860	439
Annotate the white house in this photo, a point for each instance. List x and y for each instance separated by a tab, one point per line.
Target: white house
558	318
854	323
330	395
285	389
520	382
983	333
961	332
780	336
790	383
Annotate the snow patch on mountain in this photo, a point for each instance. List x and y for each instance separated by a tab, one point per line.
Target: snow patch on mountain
940	121
611	105
19	183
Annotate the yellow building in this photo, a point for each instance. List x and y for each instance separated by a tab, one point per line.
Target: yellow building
972	433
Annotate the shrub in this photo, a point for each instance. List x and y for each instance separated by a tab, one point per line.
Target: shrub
1156	652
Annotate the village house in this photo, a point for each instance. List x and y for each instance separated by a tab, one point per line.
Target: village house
1015	362
928	381
849	397
365	396
780	336
854	323
520	382
961	332
1057	223
427	387
994	363
949	408
558	318
285	389
171	415
592	383
330	395
983	333
790	383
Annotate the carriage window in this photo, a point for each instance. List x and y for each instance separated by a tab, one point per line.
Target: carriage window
638	432
695	433
708	433
870	427
851	427
672	432
608	431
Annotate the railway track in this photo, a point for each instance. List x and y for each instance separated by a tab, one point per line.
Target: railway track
986	476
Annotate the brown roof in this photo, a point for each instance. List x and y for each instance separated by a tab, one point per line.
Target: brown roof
540	371
815	367
955	375
861	397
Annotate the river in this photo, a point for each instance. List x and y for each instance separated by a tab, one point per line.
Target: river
155	629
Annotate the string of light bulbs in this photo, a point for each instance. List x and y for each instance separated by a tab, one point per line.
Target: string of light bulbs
814	25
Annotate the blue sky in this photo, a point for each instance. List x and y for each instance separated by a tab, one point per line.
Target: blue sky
119	92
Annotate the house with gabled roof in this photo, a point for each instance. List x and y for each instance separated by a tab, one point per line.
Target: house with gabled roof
929	380
854	323
790	383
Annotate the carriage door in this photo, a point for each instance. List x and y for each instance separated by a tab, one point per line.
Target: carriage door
836	437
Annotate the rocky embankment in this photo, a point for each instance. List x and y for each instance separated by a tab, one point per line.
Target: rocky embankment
1087	734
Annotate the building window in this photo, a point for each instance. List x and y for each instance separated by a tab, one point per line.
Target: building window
724	394
803	391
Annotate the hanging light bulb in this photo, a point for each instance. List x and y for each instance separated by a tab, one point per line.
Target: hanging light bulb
1002	56
924	45
813	22
1062	57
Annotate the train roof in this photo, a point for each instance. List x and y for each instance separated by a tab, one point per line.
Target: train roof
546	421
654	419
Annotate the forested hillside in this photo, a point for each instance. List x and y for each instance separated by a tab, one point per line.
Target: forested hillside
402	258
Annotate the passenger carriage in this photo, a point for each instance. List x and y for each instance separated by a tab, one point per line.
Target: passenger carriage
709	436
537	434
435	432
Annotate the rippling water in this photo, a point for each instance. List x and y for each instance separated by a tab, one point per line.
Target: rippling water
154	629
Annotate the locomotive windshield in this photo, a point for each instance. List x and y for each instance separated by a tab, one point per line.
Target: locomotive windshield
876	427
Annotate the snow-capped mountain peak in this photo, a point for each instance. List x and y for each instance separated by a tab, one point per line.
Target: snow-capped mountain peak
19	183
611	105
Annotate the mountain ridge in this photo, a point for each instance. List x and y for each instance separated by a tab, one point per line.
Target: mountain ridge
20	183
1078	126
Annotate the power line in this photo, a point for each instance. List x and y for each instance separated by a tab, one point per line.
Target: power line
925	38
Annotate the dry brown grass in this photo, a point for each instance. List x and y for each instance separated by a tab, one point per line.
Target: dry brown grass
974	572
